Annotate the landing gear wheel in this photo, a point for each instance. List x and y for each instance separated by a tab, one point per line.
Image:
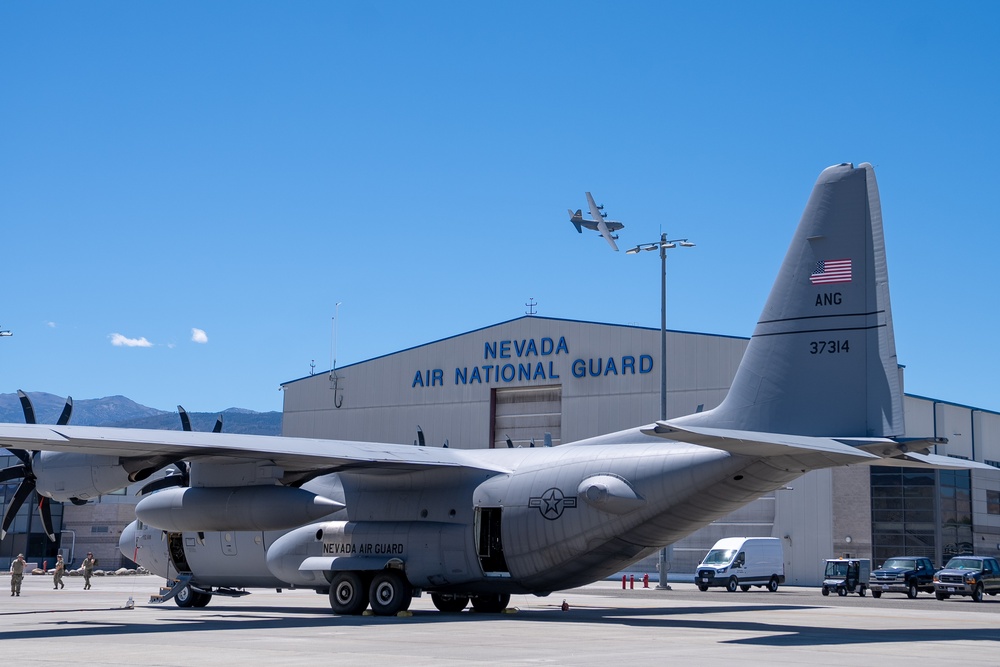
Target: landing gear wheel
449	603
911	590
841	591
490	604
977	593
348	594
732	584
876	594
772	584
187	597
390	593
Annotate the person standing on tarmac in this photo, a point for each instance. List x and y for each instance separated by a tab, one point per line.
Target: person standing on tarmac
16	575
57	575
89	563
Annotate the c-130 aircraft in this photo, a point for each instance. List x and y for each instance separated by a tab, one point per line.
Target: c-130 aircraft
374	524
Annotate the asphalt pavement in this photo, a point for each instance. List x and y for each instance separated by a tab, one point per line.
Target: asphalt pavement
603	625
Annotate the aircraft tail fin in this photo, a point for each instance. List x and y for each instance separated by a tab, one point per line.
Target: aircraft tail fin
822	359
575	218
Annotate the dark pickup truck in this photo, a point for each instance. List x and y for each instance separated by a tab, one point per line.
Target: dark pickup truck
903	574
968	575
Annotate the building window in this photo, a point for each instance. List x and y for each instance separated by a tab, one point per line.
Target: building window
993	502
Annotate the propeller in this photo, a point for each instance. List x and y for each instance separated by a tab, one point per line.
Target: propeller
183	475
26	473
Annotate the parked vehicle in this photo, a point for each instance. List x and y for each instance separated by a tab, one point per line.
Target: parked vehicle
968	575
846	575
903	574
742	562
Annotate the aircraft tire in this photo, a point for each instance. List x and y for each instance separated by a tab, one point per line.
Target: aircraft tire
449	603
490	604
390	593
201	599
348	594
185	597
732	584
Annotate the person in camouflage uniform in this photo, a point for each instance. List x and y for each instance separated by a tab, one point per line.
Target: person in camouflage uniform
57	574
16	575
89	563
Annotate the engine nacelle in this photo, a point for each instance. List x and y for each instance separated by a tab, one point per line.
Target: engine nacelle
233	508
64	476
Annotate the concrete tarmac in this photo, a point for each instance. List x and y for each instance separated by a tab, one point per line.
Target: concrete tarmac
603	626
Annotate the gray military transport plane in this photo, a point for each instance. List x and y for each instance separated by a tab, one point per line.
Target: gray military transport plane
599	223
374	524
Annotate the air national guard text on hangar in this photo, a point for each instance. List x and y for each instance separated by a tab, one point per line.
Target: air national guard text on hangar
531	359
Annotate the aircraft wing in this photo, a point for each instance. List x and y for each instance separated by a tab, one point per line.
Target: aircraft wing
602	226
300	458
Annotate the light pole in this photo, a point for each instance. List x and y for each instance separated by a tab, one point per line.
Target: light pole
662	245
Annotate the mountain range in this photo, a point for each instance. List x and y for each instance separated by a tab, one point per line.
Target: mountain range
122	412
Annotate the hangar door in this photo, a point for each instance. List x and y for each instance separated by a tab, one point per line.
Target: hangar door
525	414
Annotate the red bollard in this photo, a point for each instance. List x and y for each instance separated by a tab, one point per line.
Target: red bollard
623	582
645	581
631	582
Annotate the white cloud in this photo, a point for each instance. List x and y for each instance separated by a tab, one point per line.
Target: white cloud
199	335
51	325
119	340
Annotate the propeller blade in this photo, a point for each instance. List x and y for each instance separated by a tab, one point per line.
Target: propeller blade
67	412
23	455
45	512
185	421
24	490
13	472
218	425
27	408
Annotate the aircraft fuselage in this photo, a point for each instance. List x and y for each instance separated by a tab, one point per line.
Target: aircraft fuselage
560	518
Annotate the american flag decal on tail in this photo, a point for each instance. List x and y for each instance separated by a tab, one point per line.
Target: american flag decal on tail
830	271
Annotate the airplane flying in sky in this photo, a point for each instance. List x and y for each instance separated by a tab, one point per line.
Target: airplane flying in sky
372	524
600	223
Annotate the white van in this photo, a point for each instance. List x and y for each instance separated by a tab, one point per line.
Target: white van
742	562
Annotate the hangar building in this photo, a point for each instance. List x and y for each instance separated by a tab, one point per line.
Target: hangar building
534	379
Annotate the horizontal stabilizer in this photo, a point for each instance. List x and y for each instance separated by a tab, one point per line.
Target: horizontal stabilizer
759	444
915	460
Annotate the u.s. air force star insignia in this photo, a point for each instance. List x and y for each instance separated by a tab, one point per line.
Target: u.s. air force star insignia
552	503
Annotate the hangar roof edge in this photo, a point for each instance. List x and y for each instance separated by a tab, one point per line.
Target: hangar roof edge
952	403
516	319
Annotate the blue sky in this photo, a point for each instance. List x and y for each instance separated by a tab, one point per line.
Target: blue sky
238	168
